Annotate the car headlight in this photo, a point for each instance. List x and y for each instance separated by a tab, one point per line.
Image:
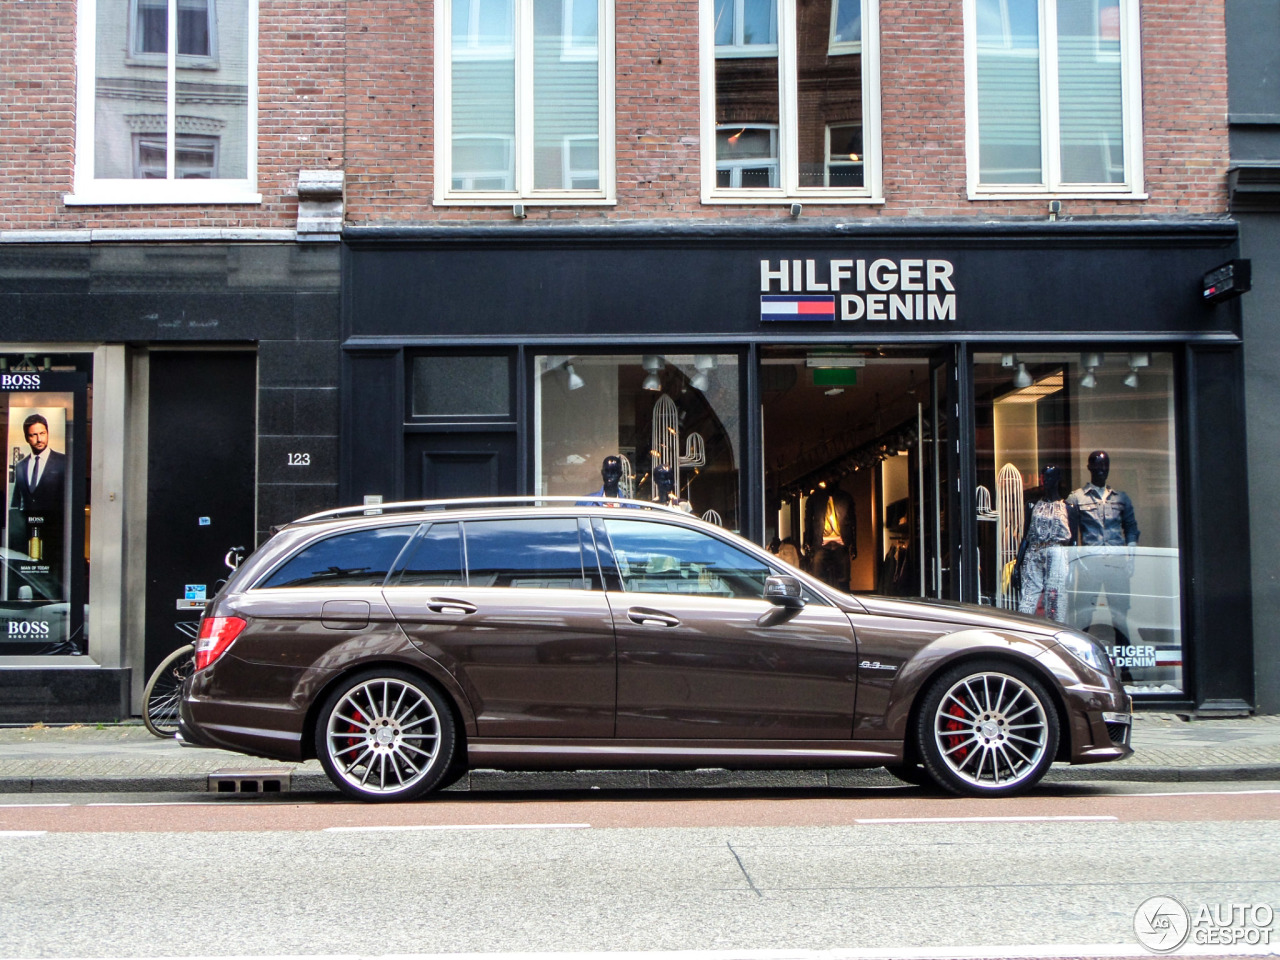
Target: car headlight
1087	651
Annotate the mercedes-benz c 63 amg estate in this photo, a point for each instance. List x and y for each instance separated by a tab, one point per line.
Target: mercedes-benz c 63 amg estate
403	646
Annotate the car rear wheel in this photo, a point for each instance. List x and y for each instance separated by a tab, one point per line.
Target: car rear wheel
987	729
385	735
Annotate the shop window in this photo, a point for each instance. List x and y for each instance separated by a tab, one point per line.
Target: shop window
1056	89
44	403
524	101
677	412
359	559
1078	501
161	125
772	106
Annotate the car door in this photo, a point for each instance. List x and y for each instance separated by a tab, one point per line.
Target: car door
507	606
694	661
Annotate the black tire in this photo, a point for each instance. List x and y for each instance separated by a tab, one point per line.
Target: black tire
987	729
163	692
912	773
385	735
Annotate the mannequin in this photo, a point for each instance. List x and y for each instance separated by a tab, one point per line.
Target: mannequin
664	478
1052	526
1109	528
833	533
611	477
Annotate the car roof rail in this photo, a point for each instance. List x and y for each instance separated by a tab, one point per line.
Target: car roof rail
427	506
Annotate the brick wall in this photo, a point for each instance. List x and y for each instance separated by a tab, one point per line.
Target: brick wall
349	86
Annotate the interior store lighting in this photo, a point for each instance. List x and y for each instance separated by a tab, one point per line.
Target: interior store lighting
1090	362
575	381
1023	377
1034	391
652	366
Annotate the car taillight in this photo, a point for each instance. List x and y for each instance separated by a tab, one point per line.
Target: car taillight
216	634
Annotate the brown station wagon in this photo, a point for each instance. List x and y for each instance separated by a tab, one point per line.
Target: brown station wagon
404	647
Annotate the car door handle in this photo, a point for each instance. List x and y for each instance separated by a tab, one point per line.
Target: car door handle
640	615
442	605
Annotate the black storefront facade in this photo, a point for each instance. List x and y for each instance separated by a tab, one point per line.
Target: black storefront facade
884	397
182	387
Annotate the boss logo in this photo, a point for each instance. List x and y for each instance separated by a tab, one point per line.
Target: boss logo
20	381
28	628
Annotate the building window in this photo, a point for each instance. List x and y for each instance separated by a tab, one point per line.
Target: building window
167	105
844	155
524	101
1054	87
779	77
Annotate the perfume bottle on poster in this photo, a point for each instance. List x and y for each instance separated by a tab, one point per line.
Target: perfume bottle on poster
35	545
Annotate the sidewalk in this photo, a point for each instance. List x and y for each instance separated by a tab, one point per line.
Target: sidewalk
125	758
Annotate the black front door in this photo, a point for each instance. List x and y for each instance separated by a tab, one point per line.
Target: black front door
200	476
447	465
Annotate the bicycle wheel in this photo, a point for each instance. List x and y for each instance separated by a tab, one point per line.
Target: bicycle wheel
164	689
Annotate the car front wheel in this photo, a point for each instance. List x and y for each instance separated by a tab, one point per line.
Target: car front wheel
987	729
385	735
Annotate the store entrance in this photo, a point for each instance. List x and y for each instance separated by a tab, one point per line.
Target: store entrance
858	475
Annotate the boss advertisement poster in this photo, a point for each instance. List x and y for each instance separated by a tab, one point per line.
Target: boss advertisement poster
43	575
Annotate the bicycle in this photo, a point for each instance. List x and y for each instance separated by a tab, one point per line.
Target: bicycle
163	691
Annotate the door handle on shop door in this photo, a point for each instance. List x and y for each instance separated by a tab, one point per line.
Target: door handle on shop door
459	607
641	616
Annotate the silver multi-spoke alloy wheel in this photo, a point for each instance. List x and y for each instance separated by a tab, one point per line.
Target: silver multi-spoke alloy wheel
988	729
385	736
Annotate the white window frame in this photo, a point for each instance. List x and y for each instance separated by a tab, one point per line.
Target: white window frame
840	48
789	189
1050	146
570	49
88	190
444	194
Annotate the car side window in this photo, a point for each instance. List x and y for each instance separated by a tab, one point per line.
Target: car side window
665	558
543	552
434	558
361	558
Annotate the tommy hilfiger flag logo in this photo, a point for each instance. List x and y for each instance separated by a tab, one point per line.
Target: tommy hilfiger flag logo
797	307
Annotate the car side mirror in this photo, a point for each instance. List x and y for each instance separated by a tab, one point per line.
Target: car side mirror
787	596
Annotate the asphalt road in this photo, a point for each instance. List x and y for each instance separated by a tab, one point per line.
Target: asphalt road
723	874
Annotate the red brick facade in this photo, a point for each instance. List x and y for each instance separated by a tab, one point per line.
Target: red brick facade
349	86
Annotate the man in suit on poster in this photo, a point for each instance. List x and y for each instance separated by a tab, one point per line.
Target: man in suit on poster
39	493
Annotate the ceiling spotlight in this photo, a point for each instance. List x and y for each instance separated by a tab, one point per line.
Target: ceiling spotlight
1090	360
704	361
1022	378
1132	379
575	381
700	381
1137	360
652	364
1089	381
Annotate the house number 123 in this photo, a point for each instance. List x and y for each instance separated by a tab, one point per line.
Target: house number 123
299	459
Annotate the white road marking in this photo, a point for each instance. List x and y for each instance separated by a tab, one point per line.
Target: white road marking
23	833
1197	793
977	819
1070	951
460	826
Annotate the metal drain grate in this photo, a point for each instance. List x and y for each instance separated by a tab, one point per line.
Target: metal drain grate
249	781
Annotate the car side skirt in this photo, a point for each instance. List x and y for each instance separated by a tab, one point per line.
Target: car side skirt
512	754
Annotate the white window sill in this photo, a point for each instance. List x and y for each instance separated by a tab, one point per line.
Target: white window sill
158	192
817	199
507	200
1056	195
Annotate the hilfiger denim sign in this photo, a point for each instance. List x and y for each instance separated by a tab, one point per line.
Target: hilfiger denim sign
878	290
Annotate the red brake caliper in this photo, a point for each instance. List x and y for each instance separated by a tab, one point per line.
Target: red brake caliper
353	728
958	725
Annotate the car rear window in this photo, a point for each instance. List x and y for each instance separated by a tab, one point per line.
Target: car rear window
359	558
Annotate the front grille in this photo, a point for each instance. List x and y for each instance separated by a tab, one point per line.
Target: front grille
1119	733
